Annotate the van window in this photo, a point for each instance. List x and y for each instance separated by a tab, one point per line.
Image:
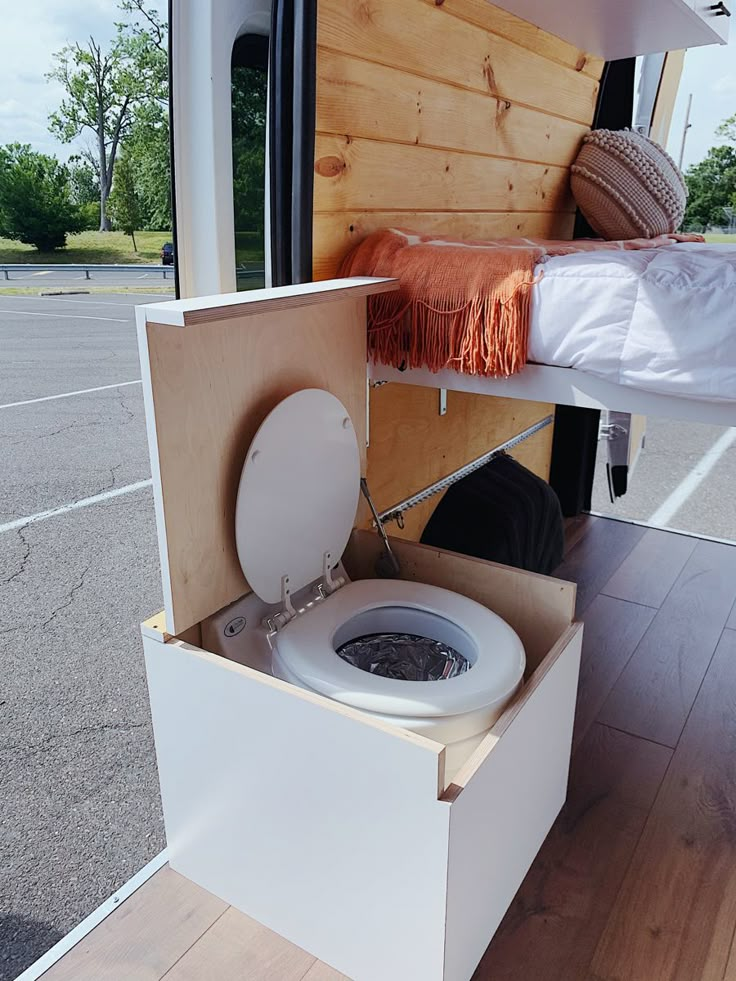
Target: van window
249	72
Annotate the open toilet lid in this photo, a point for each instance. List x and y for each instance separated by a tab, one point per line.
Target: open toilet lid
298	493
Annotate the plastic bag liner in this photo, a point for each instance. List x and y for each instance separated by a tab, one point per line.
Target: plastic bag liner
407	657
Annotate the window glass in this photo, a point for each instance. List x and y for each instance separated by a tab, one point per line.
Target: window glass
249	94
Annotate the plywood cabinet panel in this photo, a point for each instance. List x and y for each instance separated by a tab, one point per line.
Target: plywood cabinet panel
418	37
412	445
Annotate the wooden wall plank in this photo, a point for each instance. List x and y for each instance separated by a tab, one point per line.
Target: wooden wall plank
551	930
371	175
412	445
454	118
674	916
146	936
378	102
529	36
418	37
655	693
336	234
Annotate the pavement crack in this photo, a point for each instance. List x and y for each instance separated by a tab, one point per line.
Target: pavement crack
24	560
69	600
31	748
124	406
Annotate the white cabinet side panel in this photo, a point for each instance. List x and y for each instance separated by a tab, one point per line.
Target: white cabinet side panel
324	829
500	819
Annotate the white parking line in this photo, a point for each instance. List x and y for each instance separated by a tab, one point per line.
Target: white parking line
68	395
66	508
668	508
62	316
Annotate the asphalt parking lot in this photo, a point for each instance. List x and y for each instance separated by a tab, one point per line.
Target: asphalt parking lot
80	809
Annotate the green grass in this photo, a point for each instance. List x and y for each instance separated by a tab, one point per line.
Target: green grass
101	247
727	239
41	290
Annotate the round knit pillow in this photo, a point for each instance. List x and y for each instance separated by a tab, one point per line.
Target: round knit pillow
627	186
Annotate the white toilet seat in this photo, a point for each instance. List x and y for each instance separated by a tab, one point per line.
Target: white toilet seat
305	646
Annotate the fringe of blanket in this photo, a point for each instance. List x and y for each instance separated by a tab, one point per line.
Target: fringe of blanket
484	335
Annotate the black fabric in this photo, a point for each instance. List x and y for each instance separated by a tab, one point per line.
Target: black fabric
502	512
574	448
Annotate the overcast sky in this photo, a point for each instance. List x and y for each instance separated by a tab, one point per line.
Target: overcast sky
31	30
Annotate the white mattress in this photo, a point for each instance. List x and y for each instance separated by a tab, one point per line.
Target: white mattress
662	320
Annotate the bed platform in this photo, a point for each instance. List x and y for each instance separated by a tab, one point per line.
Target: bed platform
636	878
566	386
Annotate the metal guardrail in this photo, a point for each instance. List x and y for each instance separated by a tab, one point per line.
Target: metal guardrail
86	268
89	268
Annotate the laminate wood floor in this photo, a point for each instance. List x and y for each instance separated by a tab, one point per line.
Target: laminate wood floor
637	879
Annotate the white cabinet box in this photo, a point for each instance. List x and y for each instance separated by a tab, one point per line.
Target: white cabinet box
625	28
333	829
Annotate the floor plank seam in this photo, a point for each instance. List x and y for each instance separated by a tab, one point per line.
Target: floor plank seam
635	847
193	944
702	682
645	606
635	735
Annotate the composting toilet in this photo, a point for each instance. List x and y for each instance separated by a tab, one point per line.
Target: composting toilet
363	643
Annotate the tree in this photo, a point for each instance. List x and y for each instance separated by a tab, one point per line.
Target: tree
249	143
711	186
104	89
35	201
124	203
100	89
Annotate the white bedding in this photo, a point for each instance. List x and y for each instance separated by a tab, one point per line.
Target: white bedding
663	320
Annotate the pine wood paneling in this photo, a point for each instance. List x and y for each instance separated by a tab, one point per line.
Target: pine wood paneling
335	234
508	25
351	173
447	117
674	916
378	102
422	39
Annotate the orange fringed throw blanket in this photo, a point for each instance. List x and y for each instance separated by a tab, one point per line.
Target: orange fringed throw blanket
461	305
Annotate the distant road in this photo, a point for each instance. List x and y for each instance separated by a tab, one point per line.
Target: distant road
76	279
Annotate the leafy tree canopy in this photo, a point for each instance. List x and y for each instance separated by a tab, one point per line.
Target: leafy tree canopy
711	186
35	200
124	202
105	90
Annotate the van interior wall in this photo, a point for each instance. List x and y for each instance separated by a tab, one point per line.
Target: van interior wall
446	116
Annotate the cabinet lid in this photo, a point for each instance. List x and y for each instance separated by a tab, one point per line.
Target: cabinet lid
298	493
213	369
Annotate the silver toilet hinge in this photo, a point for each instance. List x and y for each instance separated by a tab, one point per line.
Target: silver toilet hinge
328	584
324	588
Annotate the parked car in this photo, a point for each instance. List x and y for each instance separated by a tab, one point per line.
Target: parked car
167	254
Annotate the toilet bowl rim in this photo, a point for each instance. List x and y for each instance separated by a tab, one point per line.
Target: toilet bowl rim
305	647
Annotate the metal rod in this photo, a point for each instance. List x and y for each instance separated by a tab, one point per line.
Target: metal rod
393	513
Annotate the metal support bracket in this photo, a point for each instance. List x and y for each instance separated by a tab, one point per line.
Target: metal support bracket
443	401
